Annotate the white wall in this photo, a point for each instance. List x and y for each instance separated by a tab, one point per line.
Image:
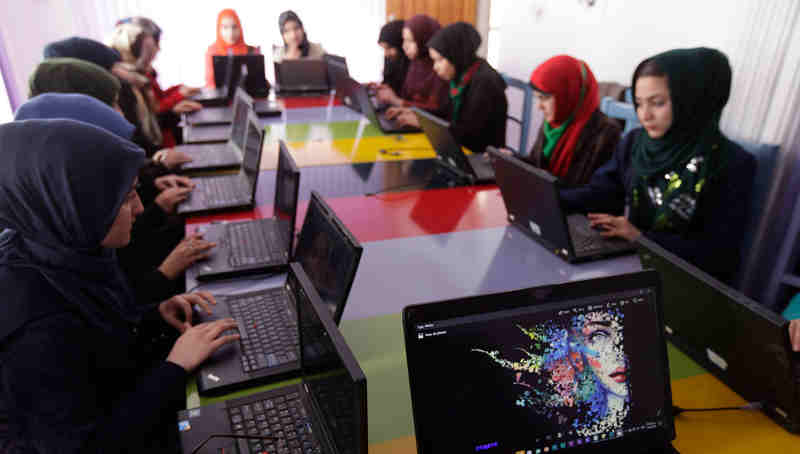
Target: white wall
614	35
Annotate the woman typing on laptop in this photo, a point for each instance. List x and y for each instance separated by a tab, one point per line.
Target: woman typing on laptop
681	181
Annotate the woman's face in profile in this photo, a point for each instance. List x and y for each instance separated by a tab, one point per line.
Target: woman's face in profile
229	30
601	336
654	105
409	45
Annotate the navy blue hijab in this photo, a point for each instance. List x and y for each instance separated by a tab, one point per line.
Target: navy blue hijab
83	49
75	106
62	184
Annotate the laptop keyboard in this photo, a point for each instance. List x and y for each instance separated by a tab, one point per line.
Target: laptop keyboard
254	243
283	417
587	240
268	329
223	191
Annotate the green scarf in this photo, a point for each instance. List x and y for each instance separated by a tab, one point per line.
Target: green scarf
552	136
70	75
457	88
671	172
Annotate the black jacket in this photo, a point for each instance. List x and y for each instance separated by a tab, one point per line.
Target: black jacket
482	119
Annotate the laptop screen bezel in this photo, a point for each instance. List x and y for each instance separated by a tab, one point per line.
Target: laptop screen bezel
415	315
285	156
241	97
252	175
316	67
438	130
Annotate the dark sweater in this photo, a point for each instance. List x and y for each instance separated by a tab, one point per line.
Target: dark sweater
595	145
714	238
482	119
67	386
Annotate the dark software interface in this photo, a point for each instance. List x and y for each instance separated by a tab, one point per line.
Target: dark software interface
286	196
326	256
325	376
542	378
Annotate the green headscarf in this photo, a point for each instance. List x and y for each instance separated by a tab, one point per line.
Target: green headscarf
70	75
670	173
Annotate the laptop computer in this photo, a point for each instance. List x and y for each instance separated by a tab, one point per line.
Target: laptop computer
355	93
533	204
217	156
576	367
298	77
337	69
229	192
741	342
474	168
222	93
326	413
261	245
267	351
249	68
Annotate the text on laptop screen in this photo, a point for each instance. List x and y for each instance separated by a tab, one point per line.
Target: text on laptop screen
325	376
555	375
239	127
326	255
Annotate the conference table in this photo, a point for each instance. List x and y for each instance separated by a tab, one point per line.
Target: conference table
426	239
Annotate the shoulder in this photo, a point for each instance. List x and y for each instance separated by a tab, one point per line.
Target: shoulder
740	163
30	300
486	75
315	50
602	124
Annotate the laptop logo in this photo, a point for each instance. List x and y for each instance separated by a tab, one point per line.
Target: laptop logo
213	378
716	359
184	426
535	228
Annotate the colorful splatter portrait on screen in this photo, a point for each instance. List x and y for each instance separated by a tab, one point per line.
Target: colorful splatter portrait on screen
572	371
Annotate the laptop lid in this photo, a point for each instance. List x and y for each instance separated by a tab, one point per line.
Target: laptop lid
337	69
532	201
287	188
740	341
448	151
329	253
254	142
223	71
332	378
358	94
242	105
302	75
251	74
561	366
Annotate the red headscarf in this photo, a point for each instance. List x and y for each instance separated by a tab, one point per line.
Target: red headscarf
220	47
572	83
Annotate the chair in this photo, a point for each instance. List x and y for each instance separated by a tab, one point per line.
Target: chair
621	110
520	99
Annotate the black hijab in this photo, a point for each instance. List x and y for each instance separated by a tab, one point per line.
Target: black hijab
83	49
458	43
285	17
394	69
62	184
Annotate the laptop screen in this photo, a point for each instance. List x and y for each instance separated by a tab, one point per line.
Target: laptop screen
337	69
287	186
308	74
252	152
329	255
447	148
239	126
555	375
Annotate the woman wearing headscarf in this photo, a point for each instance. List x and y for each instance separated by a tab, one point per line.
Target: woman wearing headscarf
230	41
478	106
422	88
575	138
70	75
395	61
157	254
295	41
83	367
683	183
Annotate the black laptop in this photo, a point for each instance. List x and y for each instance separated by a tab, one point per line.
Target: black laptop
301	77
354	93
737	339
325	414
534	206
229	192
474	168
576	367
249	69
217	156
222	93
337	69
258	246
267	351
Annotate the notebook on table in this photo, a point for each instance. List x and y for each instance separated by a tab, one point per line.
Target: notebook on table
299	77
354	93
325	413
575	367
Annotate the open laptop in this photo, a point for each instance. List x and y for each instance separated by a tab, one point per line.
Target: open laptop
337	69
474	168
298	77
576	367
741	342
533	204
248	68
261	245
326	413
355	93
268	351
229	192
222	93
216	156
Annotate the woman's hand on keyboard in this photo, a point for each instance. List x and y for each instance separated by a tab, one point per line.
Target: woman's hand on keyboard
173	181
177	311
189	250
169	198
794	334
197	343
